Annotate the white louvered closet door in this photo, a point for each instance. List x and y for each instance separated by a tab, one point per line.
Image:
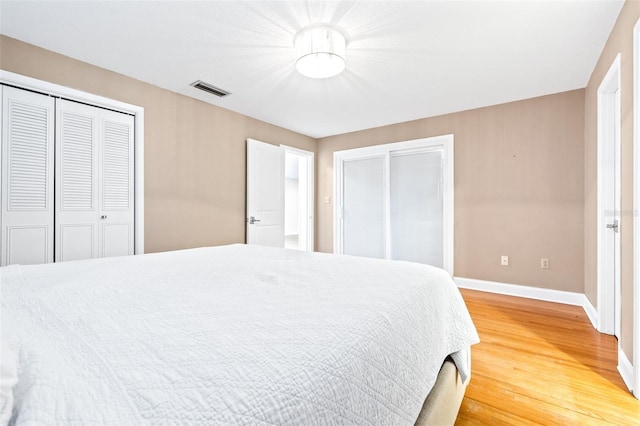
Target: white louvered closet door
94	182
116	185
26	221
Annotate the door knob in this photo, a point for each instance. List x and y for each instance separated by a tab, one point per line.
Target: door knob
613	225
104	216
253	220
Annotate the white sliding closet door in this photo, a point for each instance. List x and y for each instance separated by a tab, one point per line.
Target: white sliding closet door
26	222
363	209
94	182
417	207
395	201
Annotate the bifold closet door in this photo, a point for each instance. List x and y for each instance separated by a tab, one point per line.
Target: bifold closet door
94	182
26	220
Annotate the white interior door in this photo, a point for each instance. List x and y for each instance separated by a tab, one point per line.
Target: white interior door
614	226
611	195
608	221
26	220
94	182
265	194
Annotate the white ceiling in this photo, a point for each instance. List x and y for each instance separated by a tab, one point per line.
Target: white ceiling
405	59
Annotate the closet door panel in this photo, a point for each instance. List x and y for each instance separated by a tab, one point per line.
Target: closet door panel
117	218
417	207
77	210
117	239
26	220
95	182
77	241
364	207
27	245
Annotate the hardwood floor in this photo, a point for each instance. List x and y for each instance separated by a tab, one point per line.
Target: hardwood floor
542	363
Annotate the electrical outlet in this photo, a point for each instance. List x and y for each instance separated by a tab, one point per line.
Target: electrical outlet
504	260
544	263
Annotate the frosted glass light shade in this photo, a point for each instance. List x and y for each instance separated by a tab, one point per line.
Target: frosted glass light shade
320	52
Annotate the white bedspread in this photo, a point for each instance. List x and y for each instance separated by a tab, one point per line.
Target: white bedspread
233	335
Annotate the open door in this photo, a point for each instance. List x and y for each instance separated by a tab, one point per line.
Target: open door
609	205
265	194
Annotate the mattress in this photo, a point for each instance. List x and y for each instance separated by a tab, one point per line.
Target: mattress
238	334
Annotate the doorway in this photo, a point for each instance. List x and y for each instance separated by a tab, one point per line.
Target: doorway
298	199
608	220
280	196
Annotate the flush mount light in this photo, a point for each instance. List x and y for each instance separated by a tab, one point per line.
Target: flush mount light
320	52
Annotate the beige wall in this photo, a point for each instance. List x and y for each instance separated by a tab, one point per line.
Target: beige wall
194	152
620	41
518	187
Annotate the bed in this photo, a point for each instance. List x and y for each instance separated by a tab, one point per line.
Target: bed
232	335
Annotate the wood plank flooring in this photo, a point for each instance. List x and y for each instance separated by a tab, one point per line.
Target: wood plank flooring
542	363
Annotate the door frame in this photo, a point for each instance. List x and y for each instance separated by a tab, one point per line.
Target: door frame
311	193
608	120
444	142
635	382
23	82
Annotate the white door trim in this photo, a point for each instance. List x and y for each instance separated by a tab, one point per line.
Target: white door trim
24	82
636	208
608	298
444	142
311	185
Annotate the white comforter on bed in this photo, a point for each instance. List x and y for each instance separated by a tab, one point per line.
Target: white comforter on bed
229	335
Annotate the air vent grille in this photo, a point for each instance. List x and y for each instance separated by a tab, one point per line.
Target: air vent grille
209	88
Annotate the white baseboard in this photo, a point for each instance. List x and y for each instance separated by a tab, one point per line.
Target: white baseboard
546	294
625	368
591	312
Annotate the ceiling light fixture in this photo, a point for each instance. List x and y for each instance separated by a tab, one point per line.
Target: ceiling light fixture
320	52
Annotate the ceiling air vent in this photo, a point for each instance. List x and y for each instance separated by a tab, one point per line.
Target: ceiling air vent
209	88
